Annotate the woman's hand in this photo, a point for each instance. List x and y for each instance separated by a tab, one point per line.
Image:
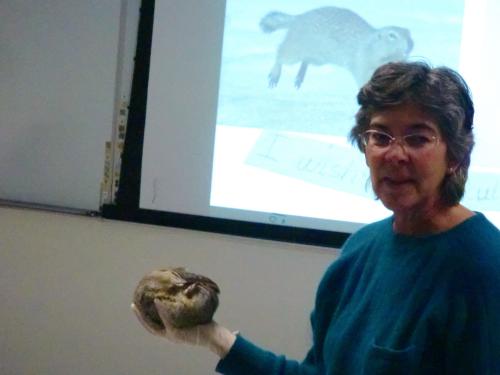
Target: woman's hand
211	335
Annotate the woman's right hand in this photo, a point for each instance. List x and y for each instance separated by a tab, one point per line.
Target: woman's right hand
211	335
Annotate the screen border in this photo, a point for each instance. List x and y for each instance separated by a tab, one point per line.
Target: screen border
126	204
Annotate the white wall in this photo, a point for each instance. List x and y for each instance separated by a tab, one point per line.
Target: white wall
58	82
67	281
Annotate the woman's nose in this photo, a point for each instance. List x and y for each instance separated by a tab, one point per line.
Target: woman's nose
396	151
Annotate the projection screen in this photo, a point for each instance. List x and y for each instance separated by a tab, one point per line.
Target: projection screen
237	128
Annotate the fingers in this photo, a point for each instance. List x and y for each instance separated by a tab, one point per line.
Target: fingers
143	322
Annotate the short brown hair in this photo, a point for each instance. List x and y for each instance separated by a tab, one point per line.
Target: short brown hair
440	91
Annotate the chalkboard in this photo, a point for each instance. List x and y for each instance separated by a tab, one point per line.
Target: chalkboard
65	67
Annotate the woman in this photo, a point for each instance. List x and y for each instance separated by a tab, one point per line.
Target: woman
418	292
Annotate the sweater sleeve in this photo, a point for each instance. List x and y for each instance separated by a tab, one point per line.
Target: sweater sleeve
474	331
473	340
245	358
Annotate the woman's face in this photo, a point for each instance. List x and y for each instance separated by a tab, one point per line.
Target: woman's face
407	173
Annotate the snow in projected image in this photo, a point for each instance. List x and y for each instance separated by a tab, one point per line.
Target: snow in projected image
282	124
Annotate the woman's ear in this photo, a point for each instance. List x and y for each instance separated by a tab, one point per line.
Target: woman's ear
451	169
452	165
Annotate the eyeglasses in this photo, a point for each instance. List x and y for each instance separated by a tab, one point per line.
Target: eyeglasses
416	142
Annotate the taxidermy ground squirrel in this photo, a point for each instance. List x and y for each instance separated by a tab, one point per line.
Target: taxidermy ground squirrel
191	299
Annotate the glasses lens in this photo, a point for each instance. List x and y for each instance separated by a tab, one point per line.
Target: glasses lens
419	140
380	140
375	138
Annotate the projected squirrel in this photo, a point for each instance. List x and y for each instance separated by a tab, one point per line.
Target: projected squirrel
337	36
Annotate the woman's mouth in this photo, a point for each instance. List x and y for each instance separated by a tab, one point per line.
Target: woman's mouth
396	182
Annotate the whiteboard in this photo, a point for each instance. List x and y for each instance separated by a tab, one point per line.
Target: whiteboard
60	71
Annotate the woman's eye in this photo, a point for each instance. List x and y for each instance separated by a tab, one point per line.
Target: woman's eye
380	139
417	140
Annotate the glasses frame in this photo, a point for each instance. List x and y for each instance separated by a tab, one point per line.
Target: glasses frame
401	139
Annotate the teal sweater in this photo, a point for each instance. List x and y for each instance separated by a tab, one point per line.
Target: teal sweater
394	304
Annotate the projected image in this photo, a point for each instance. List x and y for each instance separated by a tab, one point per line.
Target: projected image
336	36
289	77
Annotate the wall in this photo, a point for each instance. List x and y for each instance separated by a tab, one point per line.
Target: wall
66	285
61	63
